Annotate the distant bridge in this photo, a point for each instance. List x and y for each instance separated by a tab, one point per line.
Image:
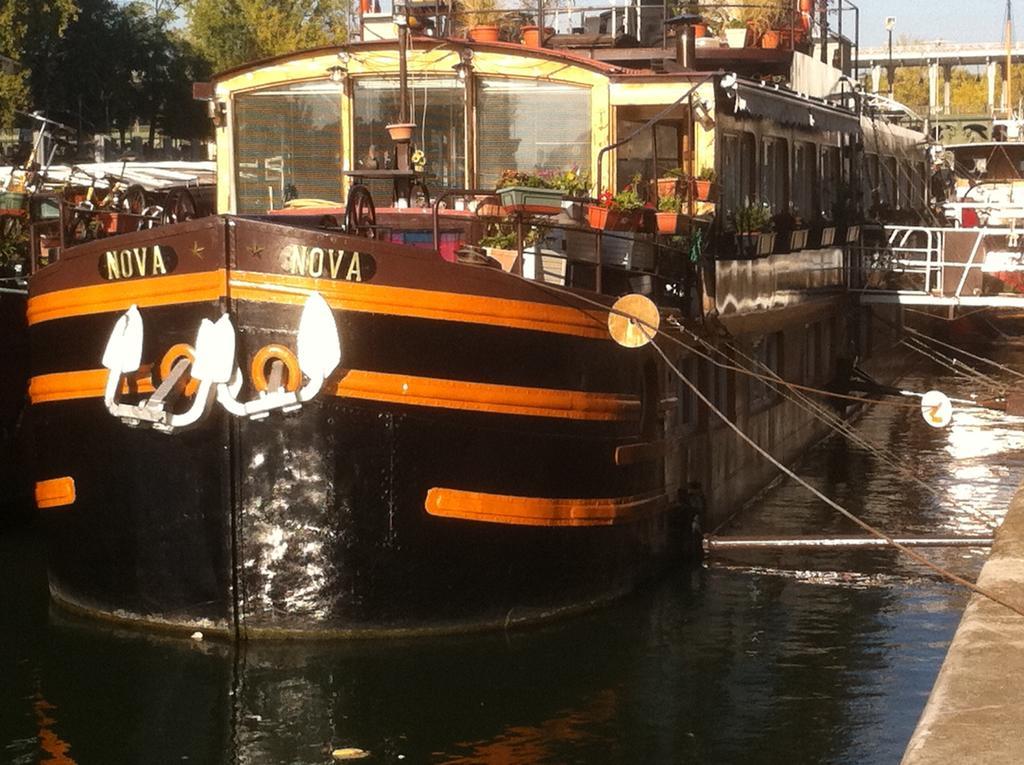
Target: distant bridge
942	56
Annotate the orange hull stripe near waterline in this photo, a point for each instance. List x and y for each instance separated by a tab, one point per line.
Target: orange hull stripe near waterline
484	397
90	383
55	492
118	296
390	388
540	511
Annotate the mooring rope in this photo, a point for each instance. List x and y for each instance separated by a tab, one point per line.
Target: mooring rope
915	556
653	332
830	419
996	364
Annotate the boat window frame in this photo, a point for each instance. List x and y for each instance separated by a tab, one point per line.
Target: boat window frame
235	142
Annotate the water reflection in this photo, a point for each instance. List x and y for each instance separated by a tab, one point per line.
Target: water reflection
780	657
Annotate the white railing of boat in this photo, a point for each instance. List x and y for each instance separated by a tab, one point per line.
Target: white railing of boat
922	251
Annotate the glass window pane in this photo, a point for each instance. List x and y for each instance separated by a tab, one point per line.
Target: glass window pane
529	125
438	107
287	145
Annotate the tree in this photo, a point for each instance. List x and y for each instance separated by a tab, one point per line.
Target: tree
23	27
232	32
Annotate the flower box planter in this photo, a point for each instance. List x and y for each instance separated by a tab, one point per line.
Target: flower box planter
853	234
669	223
747	245
484	33
755	244
574	209
736	38
607	219
13	202
702	190
524	199
797	239
828	236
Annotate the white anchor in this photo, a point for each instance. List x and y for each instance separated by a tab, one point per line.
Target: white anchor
319	353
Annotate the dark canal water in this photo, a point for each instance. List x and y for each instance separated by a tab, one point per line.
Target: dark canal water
783	658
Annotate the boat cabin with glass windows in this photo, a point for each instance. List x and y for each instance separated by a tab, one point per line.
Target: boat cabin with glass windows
434	363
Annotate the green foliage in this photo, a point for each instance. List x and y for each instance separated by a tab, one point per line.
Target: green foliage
707	174
673	204
629	198
232	32
753	217
24	26
500	236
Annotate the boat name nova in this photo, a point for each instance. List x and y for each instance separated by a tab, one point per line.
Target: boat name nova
318	262
137	262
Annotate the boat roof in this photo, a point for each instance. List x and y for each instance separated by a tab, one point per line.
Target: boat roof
455	43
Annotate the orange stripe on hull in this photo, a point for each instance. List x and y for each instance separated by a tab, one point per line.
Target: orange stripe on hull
293	290
540	511
117	296
88	383
483	397
55	492
421	304
389	388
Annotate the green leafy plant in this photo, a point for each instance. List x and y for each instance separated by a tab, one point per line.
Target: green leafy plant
671	204
707	174
735	23
752	218
629	198
478	13
572	182
502	236
762	15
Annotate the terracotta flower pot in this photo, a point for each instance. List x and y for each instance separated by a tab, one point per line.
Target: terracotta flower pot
531	36
702	190
669	223
484	33
806	6
401	131
606	219
770	39
667	187
700	30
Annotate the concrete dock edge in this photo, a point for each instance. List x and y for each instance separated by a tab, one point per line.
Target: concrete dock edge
975	713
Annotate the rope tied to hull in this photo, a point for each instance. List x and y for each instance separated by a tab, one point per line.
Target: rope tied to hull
653	332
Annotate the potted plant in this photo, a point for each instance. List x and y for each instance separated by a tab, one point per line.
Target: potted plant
668	186
669	215
735	33
481	19
704	183
400	131
575	186
763	17
624	211
700	29
530	193
753	226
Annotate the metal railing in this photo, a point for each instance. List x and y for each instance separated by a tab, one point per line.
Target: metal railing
918	261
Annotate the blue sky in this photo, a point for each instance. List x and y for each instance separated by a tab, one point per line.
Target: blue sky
955	20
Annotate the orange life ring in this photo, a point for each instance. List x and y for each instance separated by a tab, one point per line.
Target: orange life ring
293	376
173	355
